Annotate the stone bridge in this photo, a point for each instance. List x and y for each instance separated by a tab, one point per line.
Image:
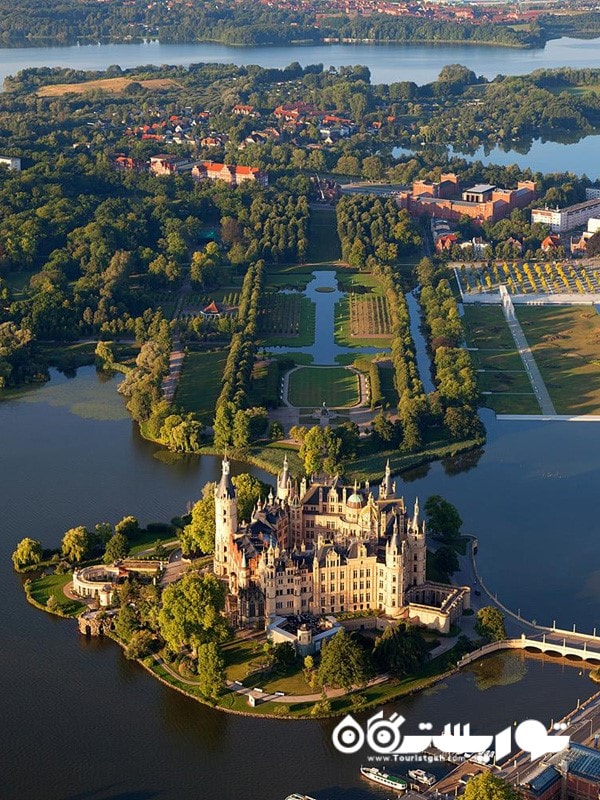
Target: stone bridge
582	651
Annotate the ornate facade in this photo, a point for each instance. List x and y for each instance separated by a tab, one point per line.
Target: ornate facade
321	548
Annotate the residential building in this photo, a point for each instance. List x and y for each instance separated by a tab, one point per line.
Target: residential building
560	220
13	163
232	174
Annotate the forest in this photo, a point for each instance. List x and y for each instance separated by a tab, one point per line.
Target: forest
241	24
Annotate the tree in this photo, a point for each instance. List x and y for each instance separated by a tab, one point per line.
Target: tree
129	527
284	656
487	786
211	670
200	533
27	554
191	612
117	548
443	519
140	644
311	450
249	490
276	432
344	663
76	544
400	650
490	624
105	358
126	622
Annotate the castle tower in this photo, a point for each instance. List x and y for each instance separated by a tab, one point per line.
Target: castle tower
416	551
284	483
387	490
225	520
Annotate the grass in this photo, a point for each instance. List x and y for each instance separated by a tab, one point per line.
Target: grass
565	341
512	404
200	383
504	375
486	327
265	384
323	241
46	586
311	386
112	85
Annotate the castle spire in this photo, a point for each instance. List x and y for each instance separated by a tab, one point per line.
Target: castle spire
225	489
415	520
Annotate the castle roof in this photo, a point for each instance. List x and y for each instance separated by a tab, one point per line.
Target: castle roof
225	487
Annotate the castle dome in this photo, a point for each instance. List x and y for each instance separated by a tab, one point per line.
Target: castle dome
355	500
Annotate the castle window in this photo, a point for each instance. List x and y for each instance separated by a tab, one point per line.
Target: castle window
278	605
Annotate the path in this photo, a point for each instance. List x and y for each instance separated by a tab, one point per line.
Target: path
171	379
533	373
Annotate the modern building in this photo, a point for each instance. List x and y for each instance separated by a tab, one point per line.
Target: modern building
561	220
592	193
322	548
13	164
444	199
573	774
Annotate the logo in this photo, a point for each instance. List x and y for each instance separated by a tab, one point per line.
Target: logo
383	737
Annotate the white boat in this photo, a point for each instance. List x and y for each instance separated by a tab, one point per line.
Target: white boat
420	776
384	778
297	796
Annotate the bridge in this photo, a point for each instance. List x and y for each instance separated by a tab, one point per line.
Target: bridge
549	645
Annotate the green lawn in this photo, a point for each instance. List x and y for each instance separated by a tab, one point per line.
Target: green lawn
512	404
264	390
200	383
323	241
504	373
311	386
42	588
486	327
565	341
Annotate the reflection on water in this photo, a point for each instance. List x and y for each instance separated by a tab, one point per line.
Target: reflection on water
138	739
540	155
91	400
498	670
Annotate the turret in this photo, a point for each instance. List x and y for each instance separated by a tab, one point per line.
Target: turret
283	481
387	490
225	519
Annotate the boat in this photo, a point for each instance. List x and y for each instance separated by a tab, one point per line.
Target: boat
420	776
297	796
384	778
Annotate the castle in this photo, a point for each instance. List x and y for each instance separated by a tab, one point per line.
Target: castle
326	548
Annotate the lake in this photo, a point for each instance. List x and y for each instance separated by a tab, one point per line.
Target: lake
80	721
540	155
388	62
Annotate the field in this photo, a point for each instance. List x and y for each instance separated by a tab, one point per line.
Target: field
311	386
369	316
287	319
362	316
112	85
565	341
200	383
501	376
551	277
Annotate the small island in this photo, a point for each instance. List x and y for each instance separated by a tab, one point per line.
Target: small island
309	599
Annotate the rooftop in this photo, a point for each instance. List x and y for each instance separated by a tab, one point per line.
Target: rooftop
480	188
